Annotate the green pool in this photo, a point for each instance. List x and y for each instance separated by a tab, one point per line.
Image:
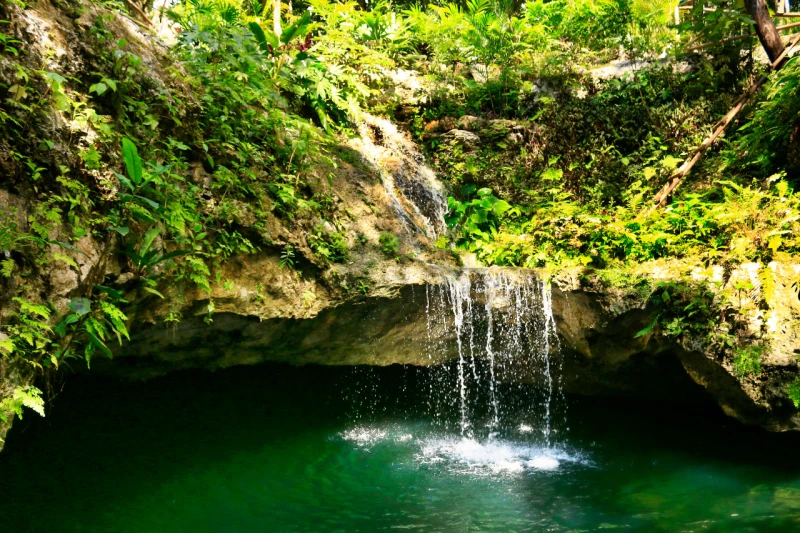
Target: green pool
280	449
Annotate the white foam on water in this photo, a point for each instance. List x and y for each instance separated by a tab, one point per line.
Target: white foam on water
464	455
470	456
543	463
364	436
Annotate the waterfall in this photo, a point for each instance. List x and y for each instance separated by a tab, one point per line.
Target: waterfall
502	325
495	325
417	197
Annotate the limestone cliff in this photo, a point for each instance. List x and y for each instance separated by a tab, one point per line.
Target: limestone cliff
371	308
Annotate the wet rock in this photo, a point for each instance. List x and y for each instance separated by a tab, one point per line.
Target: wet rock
433	127
199	176
466	139
407	86
514	138
447	123
470	123
442	125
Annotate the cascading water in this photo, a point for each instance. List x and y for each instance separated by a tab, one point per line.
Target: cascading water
418	198
496	328
509	315
494	408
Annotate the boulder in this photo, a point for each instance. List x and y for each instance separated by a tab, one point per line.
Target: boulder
466	139
470	123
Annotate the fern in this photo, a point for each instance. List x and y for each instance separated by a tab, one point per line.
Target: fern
117	319
793	391
32	309
28	396
65	259
747	361
766	280
198	272
7	267
6	345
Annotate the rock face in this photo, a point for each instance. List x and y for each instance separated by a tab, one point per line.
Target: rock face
466	139
597	326
373	308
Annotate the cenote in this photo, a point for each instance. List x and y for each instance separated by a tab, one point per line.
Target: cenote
487	441
328	266
281	449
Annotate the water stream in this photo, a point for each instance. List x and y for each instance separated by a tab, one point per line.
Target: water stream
504	320
417	197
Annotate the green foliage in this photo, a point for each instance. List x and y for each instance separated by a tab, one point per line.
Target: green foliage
747	361
509	49
287	257
7	267
7	43
144	256
28	396
768	138
479	217
727	223
230	42
390	244
12	237
685	311
29	336
329	246
793	391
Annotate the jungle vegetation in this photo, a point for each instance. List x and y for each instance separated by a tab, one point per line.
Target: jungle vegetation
276	85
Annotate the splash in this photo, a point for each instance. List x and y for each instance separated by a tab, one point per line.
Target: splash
491	458
429	448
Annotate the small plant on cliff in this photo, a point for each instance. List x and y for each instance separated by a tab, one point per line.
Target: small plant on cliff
747	361
793	391
685	311
389	244
328	245
479	217
8	42
28	396
287	257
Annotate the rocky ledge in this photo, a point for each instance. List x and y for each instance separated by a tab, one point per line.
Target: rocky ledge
609	343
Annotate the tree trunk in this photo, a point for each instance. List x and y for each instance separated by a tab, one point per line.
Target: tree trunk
276	17
765	28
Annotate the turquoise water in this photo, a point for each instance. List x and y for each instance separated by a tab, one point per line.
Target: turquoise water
279	449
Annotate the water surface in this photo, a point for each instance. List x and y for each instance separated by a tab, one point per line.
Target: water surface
280	449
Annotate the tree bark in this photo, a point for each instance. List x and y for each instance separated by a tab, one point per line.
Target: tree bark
276	17
765	28
677	177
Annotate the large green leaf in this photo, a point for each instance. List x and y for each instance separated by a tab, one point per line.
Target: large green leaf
147	241
80	306
96	342
298	30
133	163
264	39
500	207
